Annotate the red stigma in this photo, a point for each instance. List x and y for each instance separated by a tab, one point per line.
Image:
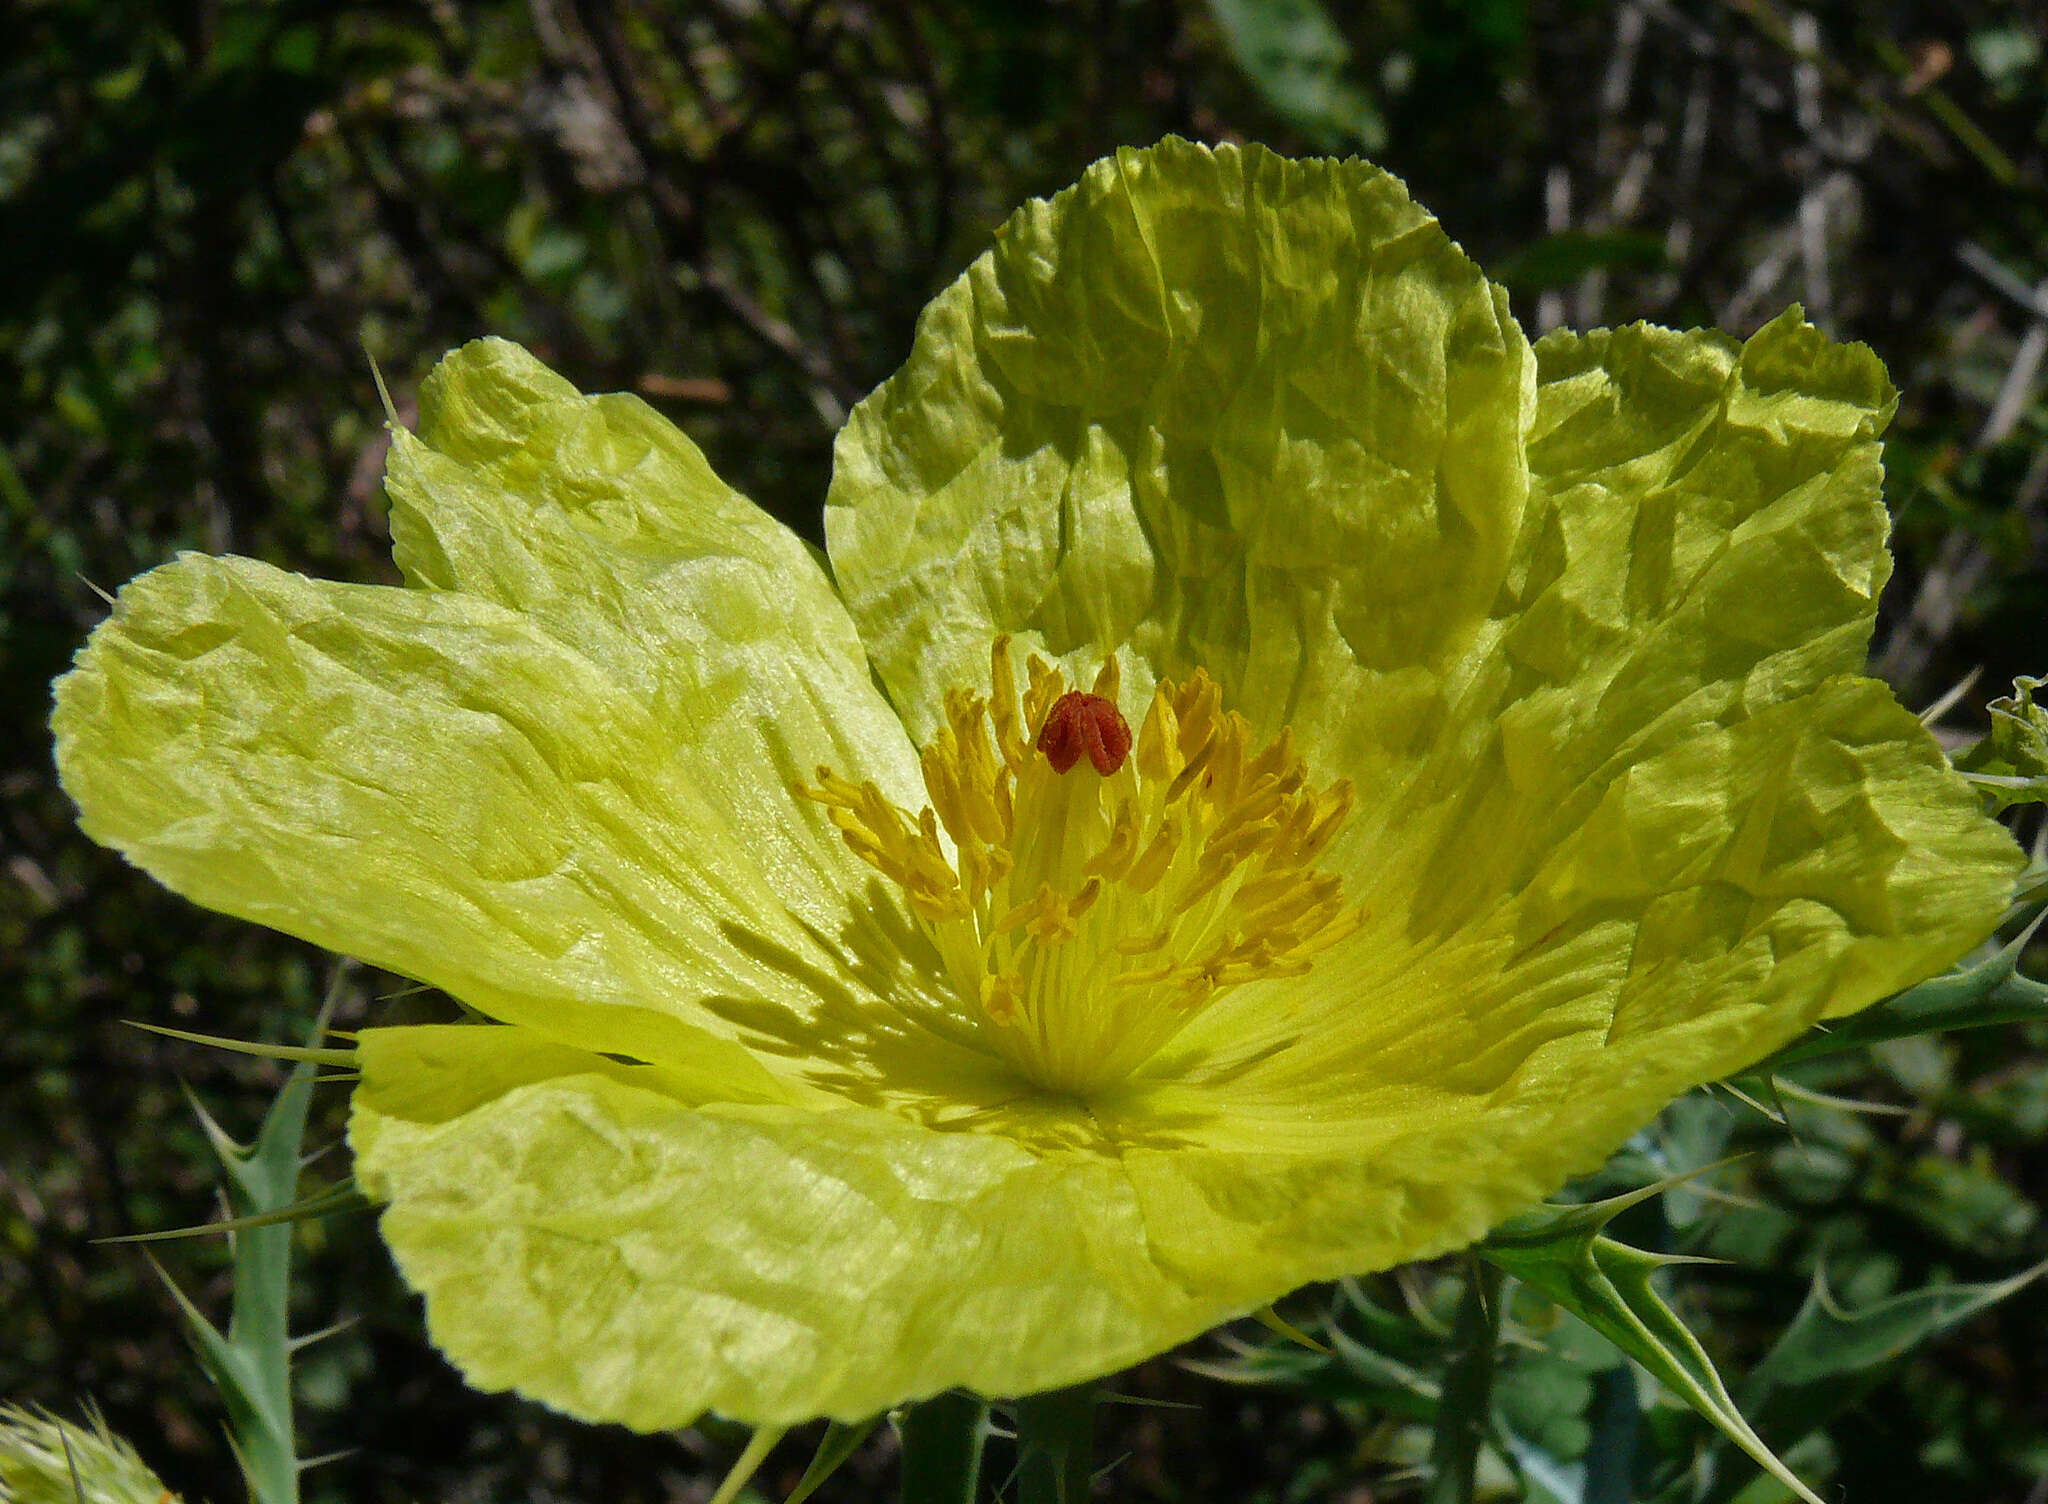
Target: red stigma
1082	723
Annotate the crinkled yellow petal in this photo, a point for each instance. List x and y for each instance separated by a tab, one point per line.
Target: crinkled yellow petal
586	1234
1660	768
1212	408
429	781
1705	539
1724	895
600	521
593	1240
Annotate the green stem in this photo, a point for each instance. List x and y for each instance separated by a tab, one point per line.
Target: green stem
252	1365
258	1329
1056	1446
942	1449
1466	1406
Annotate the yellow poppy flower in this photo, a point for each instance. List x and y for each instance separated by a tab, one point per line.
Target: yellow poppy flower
1277	775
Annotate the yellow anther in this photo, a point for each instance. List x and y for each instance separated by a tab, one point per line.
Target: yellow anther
1238	973
1285	909
1346	924
1121	849
1195	706
1011	742
1050	916
1225	768
1032	908
1255	809
1259	891
1159	742
1207	878
1047	684
999	997
1336	808
1277	762
1158	855
1191	861
1152	978
1109	678
938	762
1145	945
1192	768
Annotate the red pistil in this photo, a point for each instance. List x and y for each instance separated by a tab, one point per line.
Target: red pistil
1079	723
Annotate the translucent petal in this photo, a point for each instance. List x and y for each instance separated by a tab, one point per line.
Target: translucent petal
586	1235
1705	539
432	783
1724	895
600	521
1213	409
592	1240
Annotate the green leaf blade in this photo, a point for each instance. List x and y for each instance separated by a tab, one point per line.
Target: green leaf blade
1560	1253
1829	1357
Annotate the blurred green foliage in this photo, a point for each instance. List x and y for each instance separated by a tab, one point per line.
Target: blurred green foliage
217	211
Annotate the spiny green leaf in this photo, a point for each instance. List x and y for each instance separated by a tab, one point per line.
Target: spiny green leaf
1991	992
274	1157
251	1363
1558	1220
1404	1334
1828	1358
307	1464
1273	1364
1273	1322
1354	1373
335	1329
1370	1359
1395	1388
1559	1252
2010	766
342	1198
254	1424
335	1057
1790	1090
226	1152
213	1347
264	1184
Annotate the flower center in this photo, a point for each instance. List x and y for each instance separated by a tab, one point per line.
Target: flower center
1088	902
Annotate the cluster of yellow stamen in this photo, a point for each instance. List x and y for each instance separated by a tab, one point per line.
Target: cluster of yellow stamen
1088	906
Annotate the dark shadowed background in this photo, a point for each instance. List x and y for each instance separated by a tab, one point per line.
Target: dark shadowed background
214	214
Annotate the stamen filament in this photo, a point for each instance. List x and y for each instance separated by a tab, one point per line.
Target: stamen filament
1091	892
